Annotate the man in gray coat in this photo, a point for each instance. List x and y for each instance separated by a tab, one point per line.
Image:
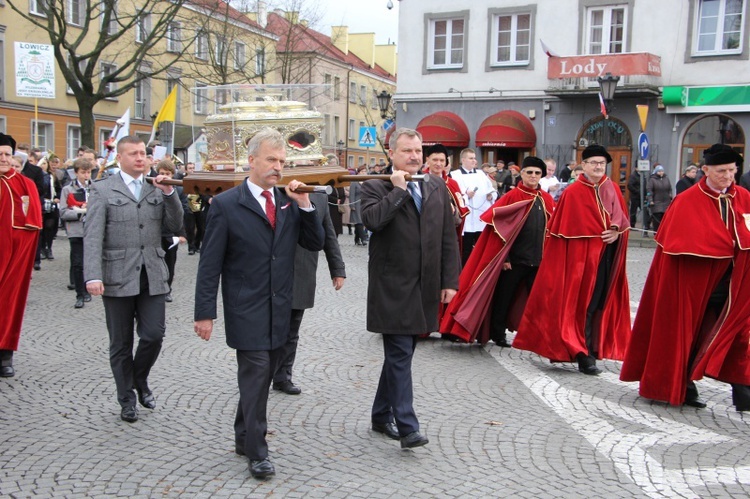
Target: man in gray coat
414	265
303	295
124	262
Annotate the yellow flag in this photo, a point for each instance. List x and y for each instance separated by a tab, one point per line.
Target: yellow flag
168	109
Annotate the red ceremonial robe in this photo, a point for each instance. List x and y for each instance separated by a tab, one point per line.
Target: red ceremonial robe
20	222
468	314
674	337
555	326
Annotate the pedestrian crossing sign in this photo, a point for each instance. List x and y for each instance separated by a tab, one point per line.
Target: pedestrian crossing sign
367	136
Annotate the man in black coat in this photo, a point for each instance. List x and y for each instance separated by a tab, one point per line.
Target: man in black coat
251	238
413	266
303	297
634	189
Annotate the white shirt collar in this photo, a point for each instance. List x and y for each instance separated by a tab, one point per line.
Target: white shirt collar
128	179
257	191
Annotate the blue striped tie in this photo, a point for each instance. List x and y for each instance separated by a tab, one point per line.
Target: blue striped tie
416	195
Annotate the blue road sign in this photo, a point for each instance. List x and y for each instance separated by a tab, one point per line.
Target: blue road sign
367	136
643	145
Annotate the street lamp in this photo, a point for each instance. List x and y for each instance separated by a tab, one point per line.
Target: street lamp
384	103
339	150
607	86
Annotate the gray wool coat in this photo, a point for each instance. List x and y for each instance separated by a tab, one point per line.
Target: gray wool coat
122	233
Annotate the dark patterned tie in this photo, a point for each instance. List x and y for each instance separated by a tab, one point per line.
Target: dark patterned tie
270	208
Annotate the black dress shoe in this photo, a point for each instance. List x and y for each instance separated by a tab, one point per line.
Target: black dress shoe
168	298
191	252
388	429
79	302
742	408
414	439
129	414
146	399
239	450
37	266
590	370
262	469
287	387
695	402
501	342
86	297
7	372
50	256
71	287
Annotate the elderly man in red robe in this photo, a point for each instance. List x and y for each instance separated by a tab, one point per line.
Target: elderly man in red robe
500	272
20	223
694	315
582	310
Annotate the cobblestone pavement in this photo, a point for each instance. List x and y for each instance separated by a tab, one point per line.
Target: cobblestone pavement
501	422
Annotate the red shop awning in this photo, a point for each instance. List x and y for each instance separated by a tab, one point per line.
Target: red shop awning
444	128
506	129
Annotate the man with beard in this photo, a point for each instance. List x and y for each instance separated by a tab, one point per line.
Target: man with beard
413	266
582	279
501	269
251	239
694	315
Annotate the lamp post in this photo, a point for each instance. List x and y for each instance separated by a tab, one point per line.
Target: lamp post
384	103
607	86
339	151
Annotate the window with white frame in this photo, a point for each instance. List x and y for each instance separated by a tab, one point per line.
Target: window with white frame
336	88
106	70
46	136
109	6
350	134
201	98
360	161
446	43
142	28
511	35
174	40
374	104
327	81
363	95
75	12
73	141
39	7
720	27
606	29
239	55
372	161
260	61
81	67
221	50
352	92
104	134
350	161
201	45
142	91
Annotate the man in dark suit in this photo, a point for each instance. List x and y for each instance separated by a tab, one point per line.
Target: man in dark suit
251	238
303	297
414	265
124	262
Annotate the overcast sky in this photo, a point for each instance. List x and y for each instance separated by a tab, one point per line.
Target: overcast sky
362	16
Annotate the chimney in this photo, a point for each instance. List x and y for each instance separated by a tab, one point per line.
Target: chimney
386	57
363	46
262	13
340	38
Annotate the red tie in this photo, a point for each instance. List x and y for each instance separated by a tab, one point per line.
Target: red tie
270	208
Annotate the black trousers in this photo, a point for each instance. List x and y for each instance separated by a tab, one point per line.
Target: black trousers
131	371
170	257
598	297
288	351
635	204
394	399
50	222
469	239
505	291
360	235
76	265
254	370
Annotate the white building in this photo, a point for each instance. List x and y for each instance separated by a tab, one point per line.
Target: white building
474	73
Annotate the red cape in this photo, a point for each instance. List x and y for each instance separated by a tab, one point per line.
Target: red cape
674	338
468	314
20	221
554	327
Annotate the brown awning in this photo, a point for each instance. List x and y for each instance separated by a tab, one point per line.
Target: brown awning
506	129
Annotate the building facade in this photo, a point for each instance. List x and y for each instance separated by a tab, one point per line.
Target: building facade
516	78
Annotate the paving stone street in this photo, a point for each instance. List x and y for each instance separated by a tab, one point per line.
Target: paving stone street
501	422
